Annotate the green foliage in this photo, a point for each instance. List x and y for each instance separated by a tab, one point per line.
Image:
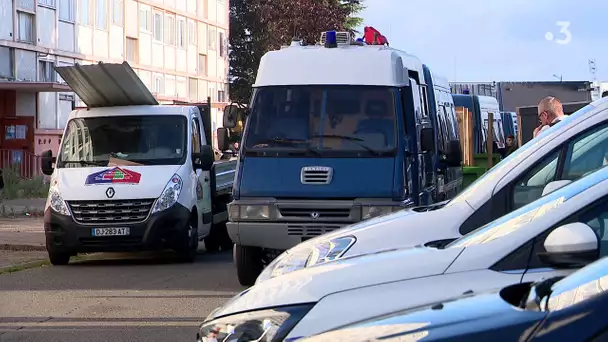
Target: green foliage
16	187
258	26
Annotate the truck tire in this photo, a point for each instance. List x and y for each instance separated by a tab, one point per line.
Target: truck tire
188	249
59	258
248	262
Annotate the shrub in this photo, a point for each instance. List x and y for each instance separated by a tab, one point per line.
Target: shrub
16	187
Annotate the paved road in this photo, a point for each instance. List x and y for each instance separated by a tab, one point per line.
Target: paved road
124	298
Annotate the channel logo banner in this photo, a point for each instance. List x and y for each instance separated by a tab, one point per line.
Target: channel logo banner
113	176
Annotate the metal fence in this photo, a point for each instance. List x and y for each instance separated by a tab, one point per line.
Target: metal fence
28	163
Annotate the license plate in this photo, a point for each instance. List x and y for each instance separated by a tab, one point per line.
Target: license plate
111	231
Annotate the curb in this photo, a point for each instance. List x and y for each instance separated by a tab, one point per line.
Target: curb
22	248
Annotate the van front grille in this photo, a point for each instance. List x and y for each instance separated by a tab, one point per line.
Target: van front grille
112	211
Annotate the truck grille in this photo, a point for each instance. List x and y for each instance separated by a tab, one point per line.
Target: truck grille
316	175
113	211
310	230
316	214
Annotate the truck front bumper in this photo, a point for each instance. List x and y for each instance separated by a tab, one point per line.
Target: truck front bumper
160	230
277	235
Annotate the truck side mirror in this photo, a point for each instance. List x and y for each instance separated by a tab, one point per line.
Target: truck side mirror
231	114
454	154
46	162
223	139
204	160
427	140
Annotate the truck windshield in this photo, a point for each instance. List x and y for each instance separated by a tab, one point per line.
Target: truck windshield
145	140
324	120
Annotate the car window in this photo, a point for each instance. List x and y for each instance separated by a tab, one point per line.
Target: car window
530	186
585	154
196	137
580	285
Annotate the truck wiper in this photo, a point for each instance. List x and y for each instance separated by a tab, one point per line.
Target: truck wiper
289	142
355	140
87	162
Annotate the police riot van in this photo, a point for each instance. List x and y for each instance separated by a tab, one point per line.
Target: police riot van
131	174
336	133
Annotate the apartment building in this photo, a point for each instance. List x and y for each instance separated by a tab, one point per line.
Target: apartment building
179	48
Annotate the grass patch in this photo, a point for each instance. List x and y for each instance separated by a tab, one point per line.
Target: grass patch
17	187
24	266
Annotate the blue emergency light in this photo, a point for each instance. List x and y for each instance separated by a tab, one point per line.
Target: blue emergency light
331	41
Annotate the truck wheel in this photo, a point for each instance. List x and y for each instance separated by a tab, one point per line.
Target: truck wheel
212	243
188	251
249	264
58	258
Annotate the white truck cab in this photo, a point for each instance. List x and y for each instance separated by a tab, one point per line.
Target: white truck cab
131	174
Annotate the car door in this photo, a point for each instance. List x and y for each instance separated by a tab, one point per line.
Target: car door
595	216
202	181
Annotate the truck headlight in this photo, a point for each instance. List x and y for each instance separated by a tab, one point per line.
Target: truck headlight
261	325
307	255
375	211
169	195
248	212
55	201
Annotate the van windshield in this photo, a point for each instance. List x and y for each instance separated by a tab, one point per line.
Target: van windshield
145	140
322	120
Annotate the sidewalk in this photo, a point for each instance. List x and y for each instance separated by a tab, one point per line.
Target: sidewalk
22	234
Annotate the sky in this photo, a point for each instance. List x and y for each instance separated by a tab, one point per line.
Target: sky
498	40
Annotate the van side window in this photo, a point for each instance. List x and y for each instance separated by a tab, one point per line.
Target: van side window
425	102
196	136
584	154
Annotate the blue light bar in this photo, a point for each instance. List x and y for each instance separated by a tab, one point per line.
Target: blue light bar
331	40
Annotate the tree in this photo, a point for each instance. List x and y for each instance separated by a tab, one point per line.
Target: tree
258	26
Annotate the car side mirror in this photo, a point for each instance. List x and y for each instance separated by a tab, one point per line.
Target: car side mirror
427	140
46	162
223	139
555	185
454	156
572	245
204	160
231	114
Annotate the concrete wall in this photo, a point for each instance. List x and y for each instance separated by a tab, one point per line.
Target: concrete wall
523	94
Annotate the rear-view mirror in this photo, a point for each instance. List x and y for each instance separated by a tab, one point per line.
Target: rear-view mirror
231	115
46	162
223	139
572	245
427	140
555	185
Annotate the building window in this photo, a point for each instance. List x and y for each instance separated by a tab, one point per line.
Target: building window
46	71
84	12
47	3
158	27
66	10
192	33
202	64
181	33
27	5
101	18
222	44
132	48
169	30
26	27
159	84
7	56
212	38
117	12
221	96
192	89
145	23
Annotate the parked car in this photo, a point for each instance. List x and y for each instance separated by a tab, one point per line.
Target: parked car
552	236
521	312
566	152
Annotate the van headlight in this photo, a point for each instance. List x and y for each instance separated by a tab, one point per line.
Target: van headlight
55	201
306	255
169	195
237	212
261	325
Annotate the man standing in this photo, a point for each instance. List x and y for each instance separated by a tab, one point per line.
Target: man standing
550	112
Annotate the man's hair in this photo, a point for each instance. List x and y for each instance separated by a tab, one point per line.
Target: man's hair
552	105
510	136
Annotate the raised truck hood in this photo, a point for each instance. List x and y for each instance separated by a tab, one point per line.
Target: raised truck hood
311	284
129	182
352	177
